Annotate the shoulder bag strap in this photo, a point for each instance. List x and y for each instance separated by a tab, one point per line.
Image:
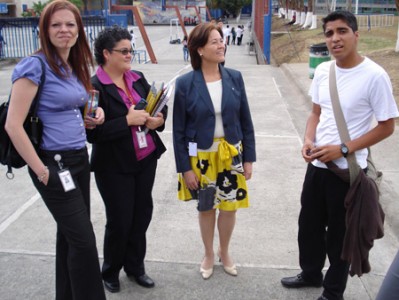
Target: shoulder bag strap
35	104
341	123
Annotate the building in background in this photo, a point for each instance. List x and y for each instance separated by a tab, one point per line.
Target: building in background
152	12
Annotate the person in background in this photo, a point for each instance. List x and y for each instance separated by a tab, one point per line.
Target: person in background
214	142
133	40
240	33
223	30
124	158
233	36
322	224
66	55
226	34
185	48
2	42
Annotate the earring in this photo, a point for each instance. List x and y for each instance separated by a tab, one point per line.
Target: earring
201	54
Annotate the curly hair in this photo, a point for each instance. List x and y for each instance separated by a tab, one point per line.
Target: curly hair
107	39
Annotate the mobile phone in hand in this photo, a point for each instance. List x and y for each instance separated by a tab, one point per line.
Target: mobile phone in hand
142	104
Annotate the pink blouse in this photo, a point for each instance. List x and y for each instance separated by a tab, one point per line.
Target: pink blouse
130	78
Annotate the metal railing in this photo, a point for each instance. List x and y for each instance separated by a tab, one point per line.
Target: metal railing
20	36
371	21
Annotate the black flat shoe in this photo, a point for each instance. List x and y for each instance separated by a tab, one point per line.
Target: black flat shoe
145	281
298	282
112	286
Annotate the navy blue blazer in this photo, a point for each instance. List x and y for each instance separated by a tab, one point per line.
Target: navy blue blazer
194	115
113	148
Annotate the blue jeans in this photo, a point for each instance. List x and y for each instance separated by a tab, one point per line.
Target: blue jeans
389	289
185	53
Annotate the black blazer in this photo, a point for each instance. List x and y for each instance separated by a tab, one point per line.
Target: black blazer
194	115
113	148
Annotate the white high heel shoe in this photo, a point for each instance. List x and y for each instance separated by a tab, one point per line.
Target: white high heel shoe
206	273
232	270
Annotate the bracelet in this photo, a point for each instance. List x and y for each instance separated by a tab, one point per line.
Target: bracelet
43	175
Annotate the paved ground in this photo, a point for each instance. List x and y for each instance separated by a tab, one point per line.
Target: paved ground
264	243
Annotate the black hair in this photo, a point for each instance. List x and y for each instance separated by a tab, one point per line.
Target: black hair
343	15
107	39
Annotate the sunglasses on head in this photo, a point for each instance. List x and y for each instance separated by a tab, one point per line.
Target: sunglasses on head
124	51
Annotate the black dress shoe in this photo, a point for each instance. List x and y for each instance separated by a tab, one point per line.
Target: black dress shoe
112	286
322	297
298	282
145	281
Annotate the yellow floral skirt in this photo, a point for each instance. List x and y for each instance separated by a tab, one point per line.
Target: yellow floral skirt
221	178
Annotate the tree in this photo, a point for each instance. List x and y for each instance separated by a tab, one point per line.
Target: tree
38	7
212	3
349	5
233	6
309	15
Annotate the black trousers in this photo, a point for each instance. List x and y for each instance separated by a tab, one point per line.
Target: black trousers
77	266
129	205
322	230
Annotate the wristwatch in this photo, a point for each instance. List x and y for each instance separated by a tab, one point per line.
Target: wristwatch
344	150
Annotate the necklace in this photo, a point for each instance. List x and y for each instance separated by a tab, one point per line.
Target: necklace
128	94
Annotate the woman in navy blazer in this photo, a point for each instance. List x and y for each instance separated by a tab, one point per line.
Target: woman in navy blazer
124	168
214	142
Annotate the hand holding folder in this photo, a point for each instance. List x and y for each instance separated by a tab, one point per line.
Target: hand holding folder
158	99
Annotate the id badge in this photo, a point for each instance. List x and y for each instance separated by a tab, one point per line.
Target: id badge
142	139
192	149
66	180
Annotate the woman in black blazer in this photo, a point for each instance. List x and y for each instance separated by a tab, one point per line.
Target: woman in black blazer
214	142
124	158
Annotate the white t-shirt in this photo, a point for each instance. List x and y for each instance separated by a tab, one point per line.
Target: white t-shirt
133	40
215	91
239	31
365	92
226	33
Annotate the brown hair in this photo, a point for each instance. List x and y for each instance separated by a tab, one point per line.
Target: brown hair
198	38
79	57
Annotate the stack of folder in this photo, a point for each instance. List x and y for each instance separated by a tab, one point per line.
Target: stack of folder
157	99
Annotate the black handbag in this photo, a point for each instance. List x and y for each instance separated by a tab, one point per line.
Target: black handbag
32	125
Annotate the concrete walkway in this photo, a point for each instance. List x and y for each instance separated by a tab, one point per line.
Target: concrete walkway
264	244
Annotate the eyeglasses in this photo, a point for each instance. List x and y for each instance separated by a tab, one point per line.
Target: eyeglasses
124	51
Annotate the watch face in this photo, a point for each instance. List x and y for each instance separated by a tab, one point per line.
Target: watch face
344	150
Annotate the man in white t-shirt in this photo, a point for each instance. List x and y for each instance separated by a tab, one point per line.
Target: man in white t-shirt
226	34
133	40
220	25
365	92
240	32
